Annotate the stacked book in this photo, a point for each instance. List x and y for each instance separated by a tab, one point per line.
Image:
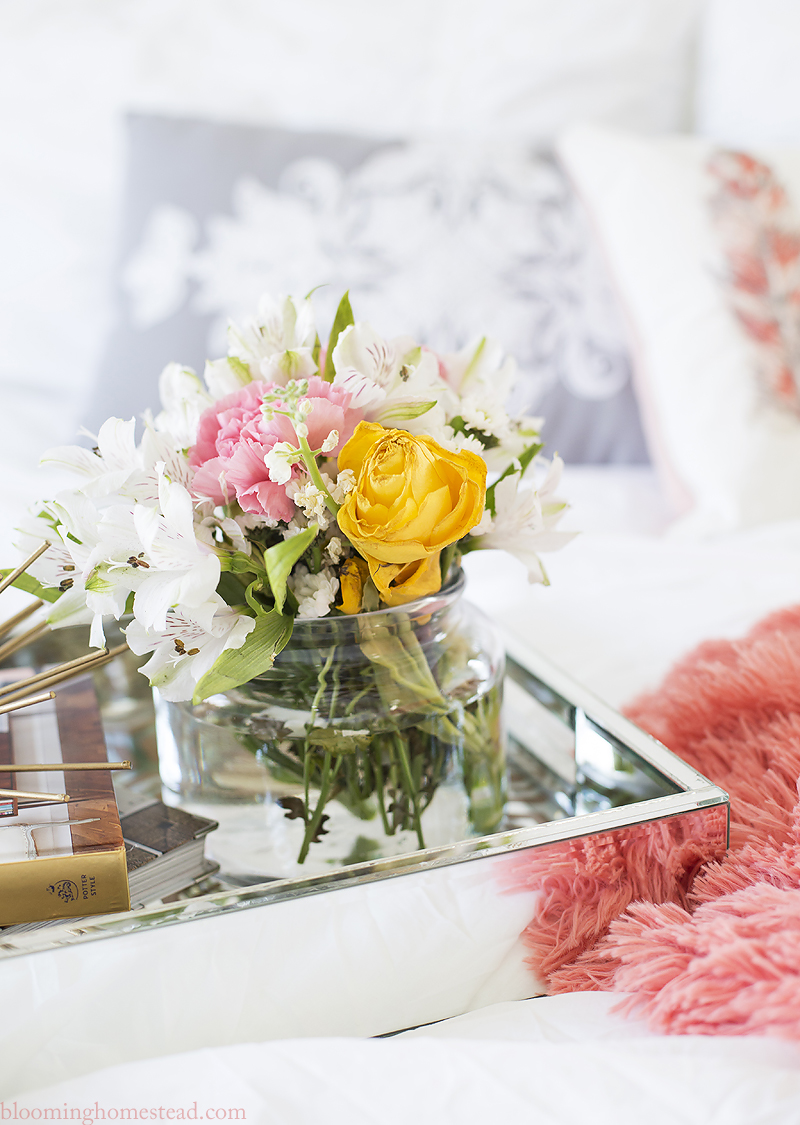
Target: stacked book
64	852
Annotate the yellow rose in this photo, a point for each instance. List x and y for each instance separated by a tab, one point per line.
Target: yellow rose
412	498
352	576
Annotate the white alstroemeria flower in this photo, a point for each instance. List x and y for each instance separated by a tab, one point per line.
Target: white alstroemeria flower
280	461
224	376
157	448
315	593
479	365
104	551
188	645
59	568
212	526
184	400
391	381
179	570
523	521
106	468
278	343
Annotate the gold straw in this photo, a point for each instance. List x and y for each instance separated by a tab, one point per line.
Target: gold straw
66	767
32	681
57	797
56	676
23	639
28	701
14	575
18	618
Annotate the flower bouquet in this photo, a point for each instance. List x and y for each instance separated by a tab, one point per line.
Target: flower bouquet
286	538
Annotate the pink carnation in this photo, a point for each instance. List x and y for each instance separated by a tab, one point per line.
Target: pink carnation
233	437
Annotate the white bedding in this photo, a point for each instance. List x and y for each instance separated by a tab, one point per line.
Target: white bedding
625	601
558	1060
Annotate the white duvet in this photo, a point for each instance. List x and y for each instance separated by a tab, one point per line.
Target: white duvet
625	602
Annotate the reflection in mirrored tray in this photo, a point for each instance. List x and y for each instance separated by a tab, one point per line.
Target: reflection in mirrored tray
581	776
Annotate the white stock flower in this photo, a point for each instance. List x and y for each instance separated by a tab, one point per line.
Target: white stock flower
342	486
188	645
330	442
280	461
277	344
311	502
315	593
183	400
483	410
523	521
335	550
390	381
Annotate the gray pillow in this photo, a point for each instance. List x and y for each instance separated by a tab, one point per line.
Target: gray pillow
440	240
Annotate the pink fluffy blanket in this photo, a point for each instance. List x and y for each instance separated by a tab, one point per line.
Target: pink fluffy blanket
724	957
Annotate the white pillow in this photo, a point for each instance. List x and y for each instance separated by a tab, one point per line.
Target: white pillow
729	448
748	77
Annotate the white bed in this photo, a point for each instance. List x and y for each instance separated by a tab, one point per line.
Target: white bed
282	1028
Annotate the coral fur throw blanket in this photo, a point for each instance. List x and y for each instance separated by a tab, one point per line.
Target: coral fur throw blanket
724	958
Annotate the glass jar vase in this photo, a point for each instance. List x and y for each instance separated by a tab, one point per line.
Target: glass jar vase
371	735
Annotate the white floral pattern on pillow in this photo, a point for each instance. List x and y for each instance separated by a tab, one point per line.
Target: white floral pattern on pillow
431	238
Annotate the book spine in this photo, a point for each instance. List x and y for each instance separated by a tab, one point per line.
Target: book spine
70	886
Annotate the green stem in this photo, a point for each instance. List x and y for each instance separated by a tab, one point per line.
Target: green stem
412	792
324	791
310	462
378	768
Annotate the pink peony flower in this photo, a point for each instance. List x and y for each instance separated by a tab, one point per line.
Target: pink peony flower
233	437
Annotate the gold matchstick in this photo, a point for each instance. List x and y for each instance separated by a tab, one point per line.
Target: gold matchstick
58	798
65	767
23	566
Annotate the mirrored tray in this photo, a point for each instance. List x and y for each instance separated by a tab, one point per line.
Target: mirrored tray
580	775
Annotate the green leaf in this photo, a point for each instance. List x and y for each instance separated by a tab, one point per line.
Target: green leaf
238	665
237	562
29	584
280	559
317	347
337	741
518	466
342	320
258	608
230	589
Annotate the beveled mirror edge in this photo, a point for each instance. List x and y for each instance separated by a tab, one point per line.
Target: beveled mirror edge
649	748
283	890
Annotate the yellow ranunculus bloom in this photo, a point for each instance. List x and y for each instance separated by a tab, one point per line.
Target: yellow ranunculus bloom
412	498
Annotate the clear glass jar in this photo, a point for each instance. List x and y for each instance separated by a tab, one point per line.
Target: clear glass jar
371	735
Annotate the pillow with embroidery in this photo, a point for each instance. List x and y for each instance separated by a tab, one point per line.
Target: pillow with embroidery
703	246
437	239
